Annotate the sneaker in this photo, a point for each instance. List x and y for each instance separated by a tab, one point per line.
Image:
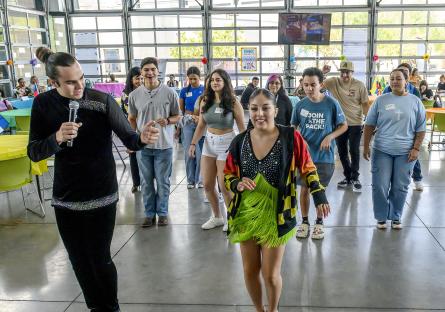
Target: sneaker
225	227
191	186
381	225
418	186
200	185
148	222
303	230
212	223
318	232
344	183
396	225
356	186
134	189
162	220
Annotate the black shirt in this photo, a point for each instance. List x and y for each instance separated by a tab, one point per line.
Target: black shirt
85	174
428	93
441	86
246	95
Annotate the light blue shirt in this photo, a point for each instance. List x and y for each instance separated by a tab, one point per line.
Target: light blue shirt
316	121
397	119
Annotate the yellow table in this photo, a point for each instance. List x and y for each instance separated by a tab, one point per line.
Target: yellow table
14	146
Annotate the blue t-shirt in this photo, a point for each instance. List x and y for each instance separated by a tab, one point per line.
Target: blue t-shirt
410	88
397	119
189	95
316	121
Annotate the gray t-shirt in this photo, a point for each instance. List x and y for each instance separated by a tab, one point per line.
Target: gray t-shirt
149	105
397	119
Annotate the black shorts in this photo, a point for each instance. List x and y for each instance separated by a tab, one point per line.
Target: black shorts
325	172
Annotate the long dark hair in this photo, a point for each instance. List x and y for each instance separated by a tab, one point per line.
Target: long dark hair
135	71
228	98
53	60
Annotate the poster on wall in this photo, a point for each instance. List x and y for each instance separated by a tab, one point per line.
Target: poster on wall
249	59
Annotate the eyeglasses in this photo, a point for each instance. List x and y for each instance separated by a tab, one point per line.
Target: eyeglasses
277	83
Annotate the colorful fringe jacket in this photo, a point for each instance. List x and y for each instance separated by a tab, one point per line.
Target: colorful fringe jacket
295	155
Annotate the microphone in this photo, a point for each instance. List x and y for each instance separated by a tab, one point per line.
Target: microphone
74	106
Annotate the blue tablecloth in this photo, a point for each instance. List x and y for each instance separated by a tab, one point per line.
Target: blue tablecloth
19	104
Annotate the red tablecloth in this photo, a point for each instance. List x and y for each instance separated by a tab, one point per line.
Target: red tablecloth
113	88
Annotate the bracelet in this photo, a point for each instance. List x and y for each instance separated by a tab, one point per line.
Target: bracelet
193	144
415	148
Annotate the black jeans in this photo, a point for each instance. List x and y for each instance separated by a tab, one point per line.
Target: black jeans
87	238
134	168
350	165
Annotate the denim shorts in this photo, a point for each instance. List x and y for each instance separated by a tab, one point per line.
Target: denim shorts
325	172
217	145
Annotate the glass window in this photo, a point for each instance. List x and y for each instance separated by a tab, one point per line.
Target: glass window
58	34
305	51
37	37
228	66
23	71
437	49
389	18
168	52
388	49
190	21
29	4
141	21
83	23
89	54
109	22
247	20
414	33
388	33
191	36
223	52
248	3
415	17
272	51
437	17
17	18
19	36
247	35
143	37
36	21
272	3
168	4
436	33
190	52
269	35
166	21
413	49
222	20
116	68
336	34
269	20
272	66
111	38
223	3
172	68
21	54
3	54
112	54
226	35
337	18
141	52
329	50
85	5
300	66
330	2
89	38
356	18
110	4
2	35
145	4
167	37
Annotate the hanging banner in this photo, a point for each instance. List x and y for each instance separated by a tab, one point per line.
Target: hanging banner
248	59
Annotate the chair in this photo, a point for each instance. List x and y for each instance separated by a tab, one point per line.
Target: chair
437	126
16	173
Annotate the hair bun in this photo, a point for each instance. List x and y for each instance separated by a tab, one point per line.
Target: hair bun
43	54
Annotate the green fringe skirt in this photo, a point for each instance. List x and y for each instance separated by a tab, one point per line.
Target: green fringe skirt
257	217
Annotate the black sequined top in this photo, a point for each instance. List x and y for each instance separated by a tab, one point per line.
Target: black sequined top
269	166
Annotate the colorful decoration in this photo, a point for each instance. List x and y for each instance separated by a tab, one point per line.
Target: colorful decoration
204	60
9	62
33	62
378	85
426	57
342	58
375	58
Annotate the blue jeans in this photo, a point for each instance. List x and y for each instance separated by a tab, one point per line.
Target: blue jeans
390	181
192	164
417	172
155	164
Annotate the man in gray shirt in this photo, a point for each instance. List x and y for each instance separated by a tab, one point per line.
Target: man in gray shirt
154	101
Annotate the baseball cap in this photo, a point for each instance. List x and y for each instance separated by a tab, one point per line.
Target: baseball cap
346	65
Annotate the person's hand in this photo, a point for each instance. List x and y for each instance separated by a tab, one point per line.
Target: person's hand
150	133
366	153
177	133
324	209
245	184
326	143
192	149
130	151
195	119
326	69
67	131
413	155
162	122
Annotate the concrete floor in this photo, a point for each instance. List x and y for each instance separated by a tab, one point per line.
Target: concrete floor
183	268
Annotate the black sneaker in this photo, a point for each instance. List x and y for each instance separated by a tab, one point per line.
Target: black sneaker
356	186
148	222
344	183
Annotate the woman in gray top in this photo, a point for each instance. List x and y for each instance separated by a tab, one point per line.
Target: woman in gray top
219	110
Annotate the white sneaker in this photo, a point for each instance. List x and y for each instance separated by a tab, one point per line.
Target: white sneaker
200	185
318	232
303	230
225	227
212	223
190	186
418	186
